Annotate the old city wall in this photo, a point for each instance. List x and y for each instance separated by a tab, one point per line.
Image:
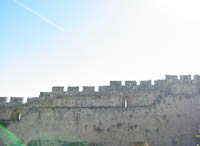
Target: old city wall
165	113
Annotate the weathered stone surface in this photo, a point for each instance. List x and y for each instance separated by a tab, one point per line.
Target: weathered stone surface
164	114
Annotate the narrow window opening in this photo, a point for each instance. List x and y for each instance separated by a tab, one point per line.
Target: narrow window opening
125	103
18	116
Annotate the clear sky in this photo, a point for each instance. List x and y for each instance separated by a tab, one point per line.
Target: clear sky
45	43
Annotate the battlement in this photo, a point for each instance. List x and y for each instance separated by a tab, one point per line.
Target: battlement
130	83
13	101
145	85
88	89
57	89
16	100
45	94
197	78
73	89
170	80
32	100
185	77
160	84
3	99
171	84
171	77
115	83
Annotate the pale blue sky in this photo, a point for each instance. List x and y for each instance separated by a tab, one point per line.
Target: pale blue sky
45	43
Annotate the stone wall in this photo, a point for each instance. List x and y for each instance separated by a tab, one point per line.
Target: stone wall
166	113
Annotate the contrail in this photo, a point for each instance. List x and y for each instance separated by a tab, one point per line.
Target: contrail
38	14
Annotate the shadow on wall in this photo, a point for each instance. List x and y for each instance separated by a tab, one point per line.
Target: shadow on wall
16	115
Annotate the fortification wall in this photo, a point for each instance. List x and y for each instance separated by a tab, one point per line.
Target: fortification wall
165	113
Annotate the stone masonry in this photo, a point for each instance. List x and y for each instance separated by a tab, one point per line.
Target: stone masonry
164	114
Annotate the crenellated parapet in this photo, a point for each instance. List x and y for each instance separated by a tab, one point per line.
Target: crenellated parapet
73	89
9	106
169	84
3	100
88	89
197	77
116	95
160	84
186	78
33	100
45	94
145	85
171	78
115	84
160	112
172	84
13	101
130	84
16	100
57	89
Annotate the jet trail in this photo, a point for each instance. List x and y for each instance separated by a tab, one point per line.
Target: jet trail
38	14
